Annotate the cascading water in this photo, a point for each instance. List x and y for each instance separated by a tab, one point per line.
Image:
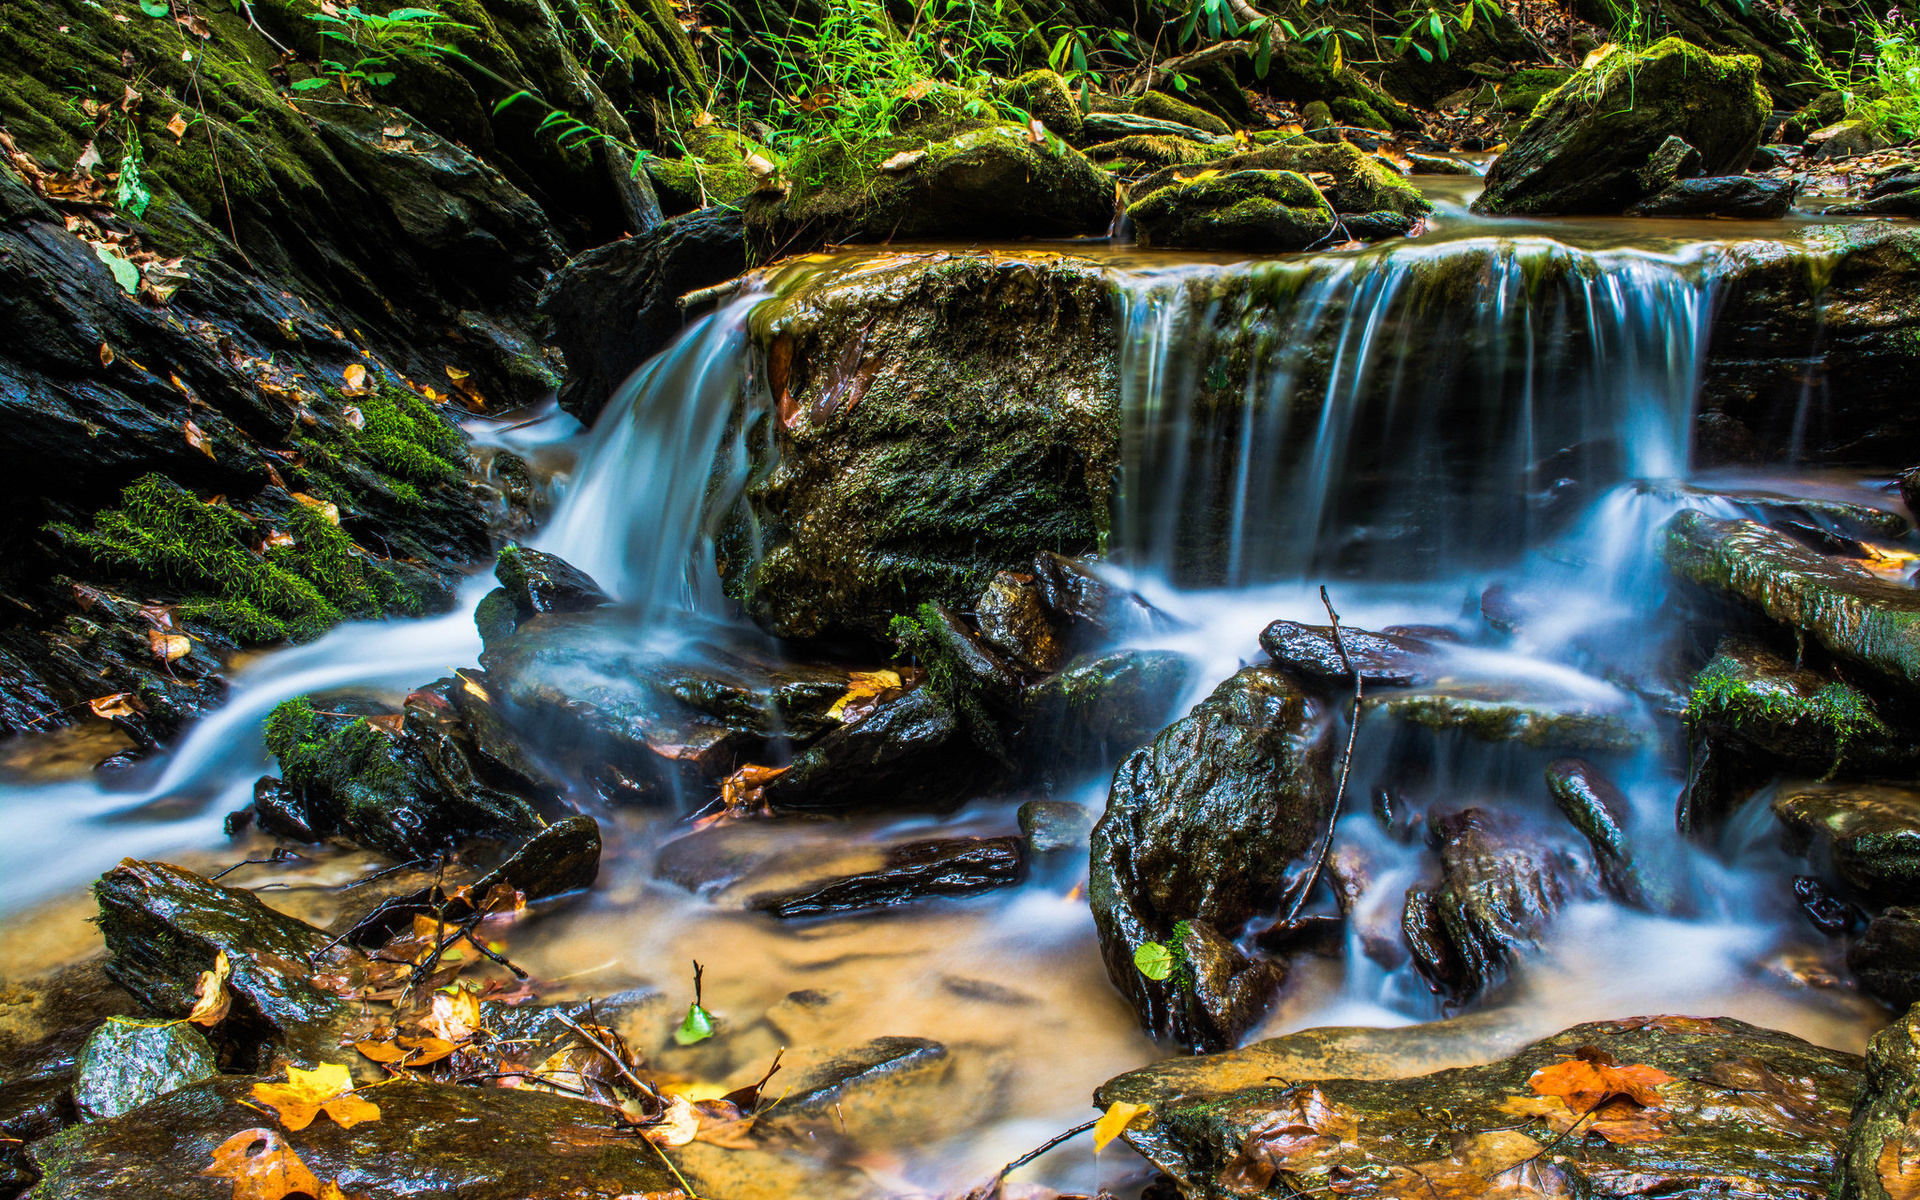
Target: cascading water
1411	426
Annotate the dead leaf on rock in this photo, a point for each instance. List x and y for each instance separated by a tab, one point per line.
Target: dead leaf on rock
1899	1162
1298	1137
676	1126
272	1174
198	439
106	355
1114	1122
306	1094
117	704
212	998
1592	1078
355	376
168	647
1790	1103
177	126
863	689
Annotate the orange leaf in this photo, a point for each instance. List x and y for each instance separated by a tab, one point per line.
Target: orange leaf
118	704
177	126
1588	1082
198	439
168	647
214	999
273	1173
355	376
1899	1162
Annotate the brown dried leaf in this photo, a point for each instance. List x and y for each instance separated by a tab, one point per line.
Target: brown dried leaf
177	126
118	704
212	997
198	439
168	647
1297	1137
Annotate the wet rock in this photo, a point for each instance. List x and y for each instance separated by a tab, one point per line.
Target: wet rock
496	616
1101	126
1886	956
1856	616
1361	183
1674	161
1500	886
1845	139
1748	1111
1873	1164
47	1021
1055	826
1383	659
1600	811
1142	154
1496	712
399	786
961	668
1236	210
894	477
1076	592
127	1063
1226	990
1438	164
1826	911
1012	616
538	582
1903	203
1723	774
466	707
163	926
984	181
1793	715
915	871
1378	226
865	1089
1585	148
911	752
537	1147
1870	833
1744	196
614	307
1202	825
1099	709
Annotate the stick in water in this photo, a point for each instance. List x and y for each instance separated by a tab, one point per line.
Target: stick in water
1325	845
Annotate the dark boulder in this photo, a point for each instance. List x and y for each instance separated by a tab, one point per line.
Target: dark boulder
912	752
1886	957
1601	812
1077	593
1744	196
914	871
1384	659
615	306
1869	832
1202	826
1586	148
1097	710
1877	1160
538	582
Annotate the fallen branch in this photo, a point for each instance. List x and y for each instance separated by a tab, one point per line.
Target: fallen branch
702	295
1325	845
1179	64
1043	1147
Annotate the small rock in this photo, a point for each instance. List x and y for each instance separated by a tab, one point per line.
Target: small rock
1871	832
538	582
1053	826
496	616
1892	204
1886	957
1793	715
1013	621
1674	160
1311	652
1745	196
127	1063
915	871
1438	164
910	752
1075	591
872	1089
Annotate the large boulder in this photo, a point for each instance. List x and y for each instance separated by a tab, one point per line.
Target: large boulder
1238	210
1728	1110
965	180
1360	183
615	306
1586	147
1200	831
888	476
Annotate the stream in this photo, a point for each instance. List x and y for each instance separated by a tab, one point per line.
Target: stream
1582	343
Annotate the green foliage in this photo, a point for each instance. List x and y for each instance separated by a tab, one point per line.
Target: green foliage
1166	960
1880	87
947	679
1442	24
1082	55
375	45
130	194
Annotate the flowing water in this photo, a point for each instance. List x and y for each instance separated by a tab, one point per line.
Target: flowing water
1488	408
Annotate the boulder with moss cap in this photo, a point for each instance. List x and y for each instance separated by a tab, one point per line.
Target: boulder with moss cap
1360	183
1238	210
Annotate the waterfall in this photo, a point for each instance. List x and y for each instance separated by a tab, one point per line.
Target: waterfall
1396	413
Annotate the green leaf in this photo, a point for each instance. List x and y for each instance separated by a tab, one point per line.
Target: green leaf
307	85
132	195
154	10
1154	961
519	95
698	1026
124	273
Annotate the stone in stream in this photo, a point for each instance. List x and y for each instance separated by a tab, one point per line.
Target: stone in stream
1054	826
1856	616
1383	659
1885	958
127	1063
1586	147
1673	162
1744	1112
432	1141
1099	709
1078	594
47	1021
914	871
1793	715
1600	811
538	582
1743	196
164	926
1869	832
1203	825
1499	889
911	752
1234	210
1503	712
1013	620
1360	183
1877	1161
615	306
874	1090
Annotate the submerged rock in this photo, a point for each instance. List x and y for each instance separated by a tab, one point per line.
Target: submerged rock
1099	709
1055	826
1870	833
1202	825
1601	812
1743	1111
127	1063
1743	196
1585	149
164	926
536	1146
875	1088
1311	652
915	871
1234	210
1856	616
1502	713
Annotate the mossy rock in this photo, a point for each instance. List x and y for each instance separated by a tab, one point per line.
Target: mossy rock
1812	720
1238	210
1361	182
1358	113
1870	833
892	474
964	180
1162	107
1150	152
1524	89
1043	94
1584	147
712	171
1296	73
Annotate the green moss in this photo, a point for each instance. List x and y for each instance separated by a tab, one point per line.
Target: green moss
947	679
1162	107
349	759
1837	714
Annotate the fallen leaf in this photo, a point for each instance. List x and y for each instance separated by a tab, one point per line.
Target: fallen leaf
1592	1077
198	439
863	686
1154	960
273	1173
454	1017
697	1027
1308	1130
89	159
177	126
1113	1122
106	355
407	1051
1036	132
1899	1163
328	1088
676	1126
328	508
278	539
356	376
354	417
212	998
118	704
168	647
903	160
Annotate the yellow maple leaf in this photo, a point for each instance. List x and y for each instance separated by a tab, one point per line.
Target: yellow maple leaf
1113	1122
326	1089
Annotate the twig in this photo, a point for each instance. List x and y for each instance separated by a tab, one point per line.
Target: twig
280	854
1043	1147
702	295
1325	846
619	1064
493	954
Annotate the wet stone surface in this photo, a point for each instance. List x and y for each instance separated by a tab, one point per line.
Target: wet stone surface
914	871
126	1063
1869	832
